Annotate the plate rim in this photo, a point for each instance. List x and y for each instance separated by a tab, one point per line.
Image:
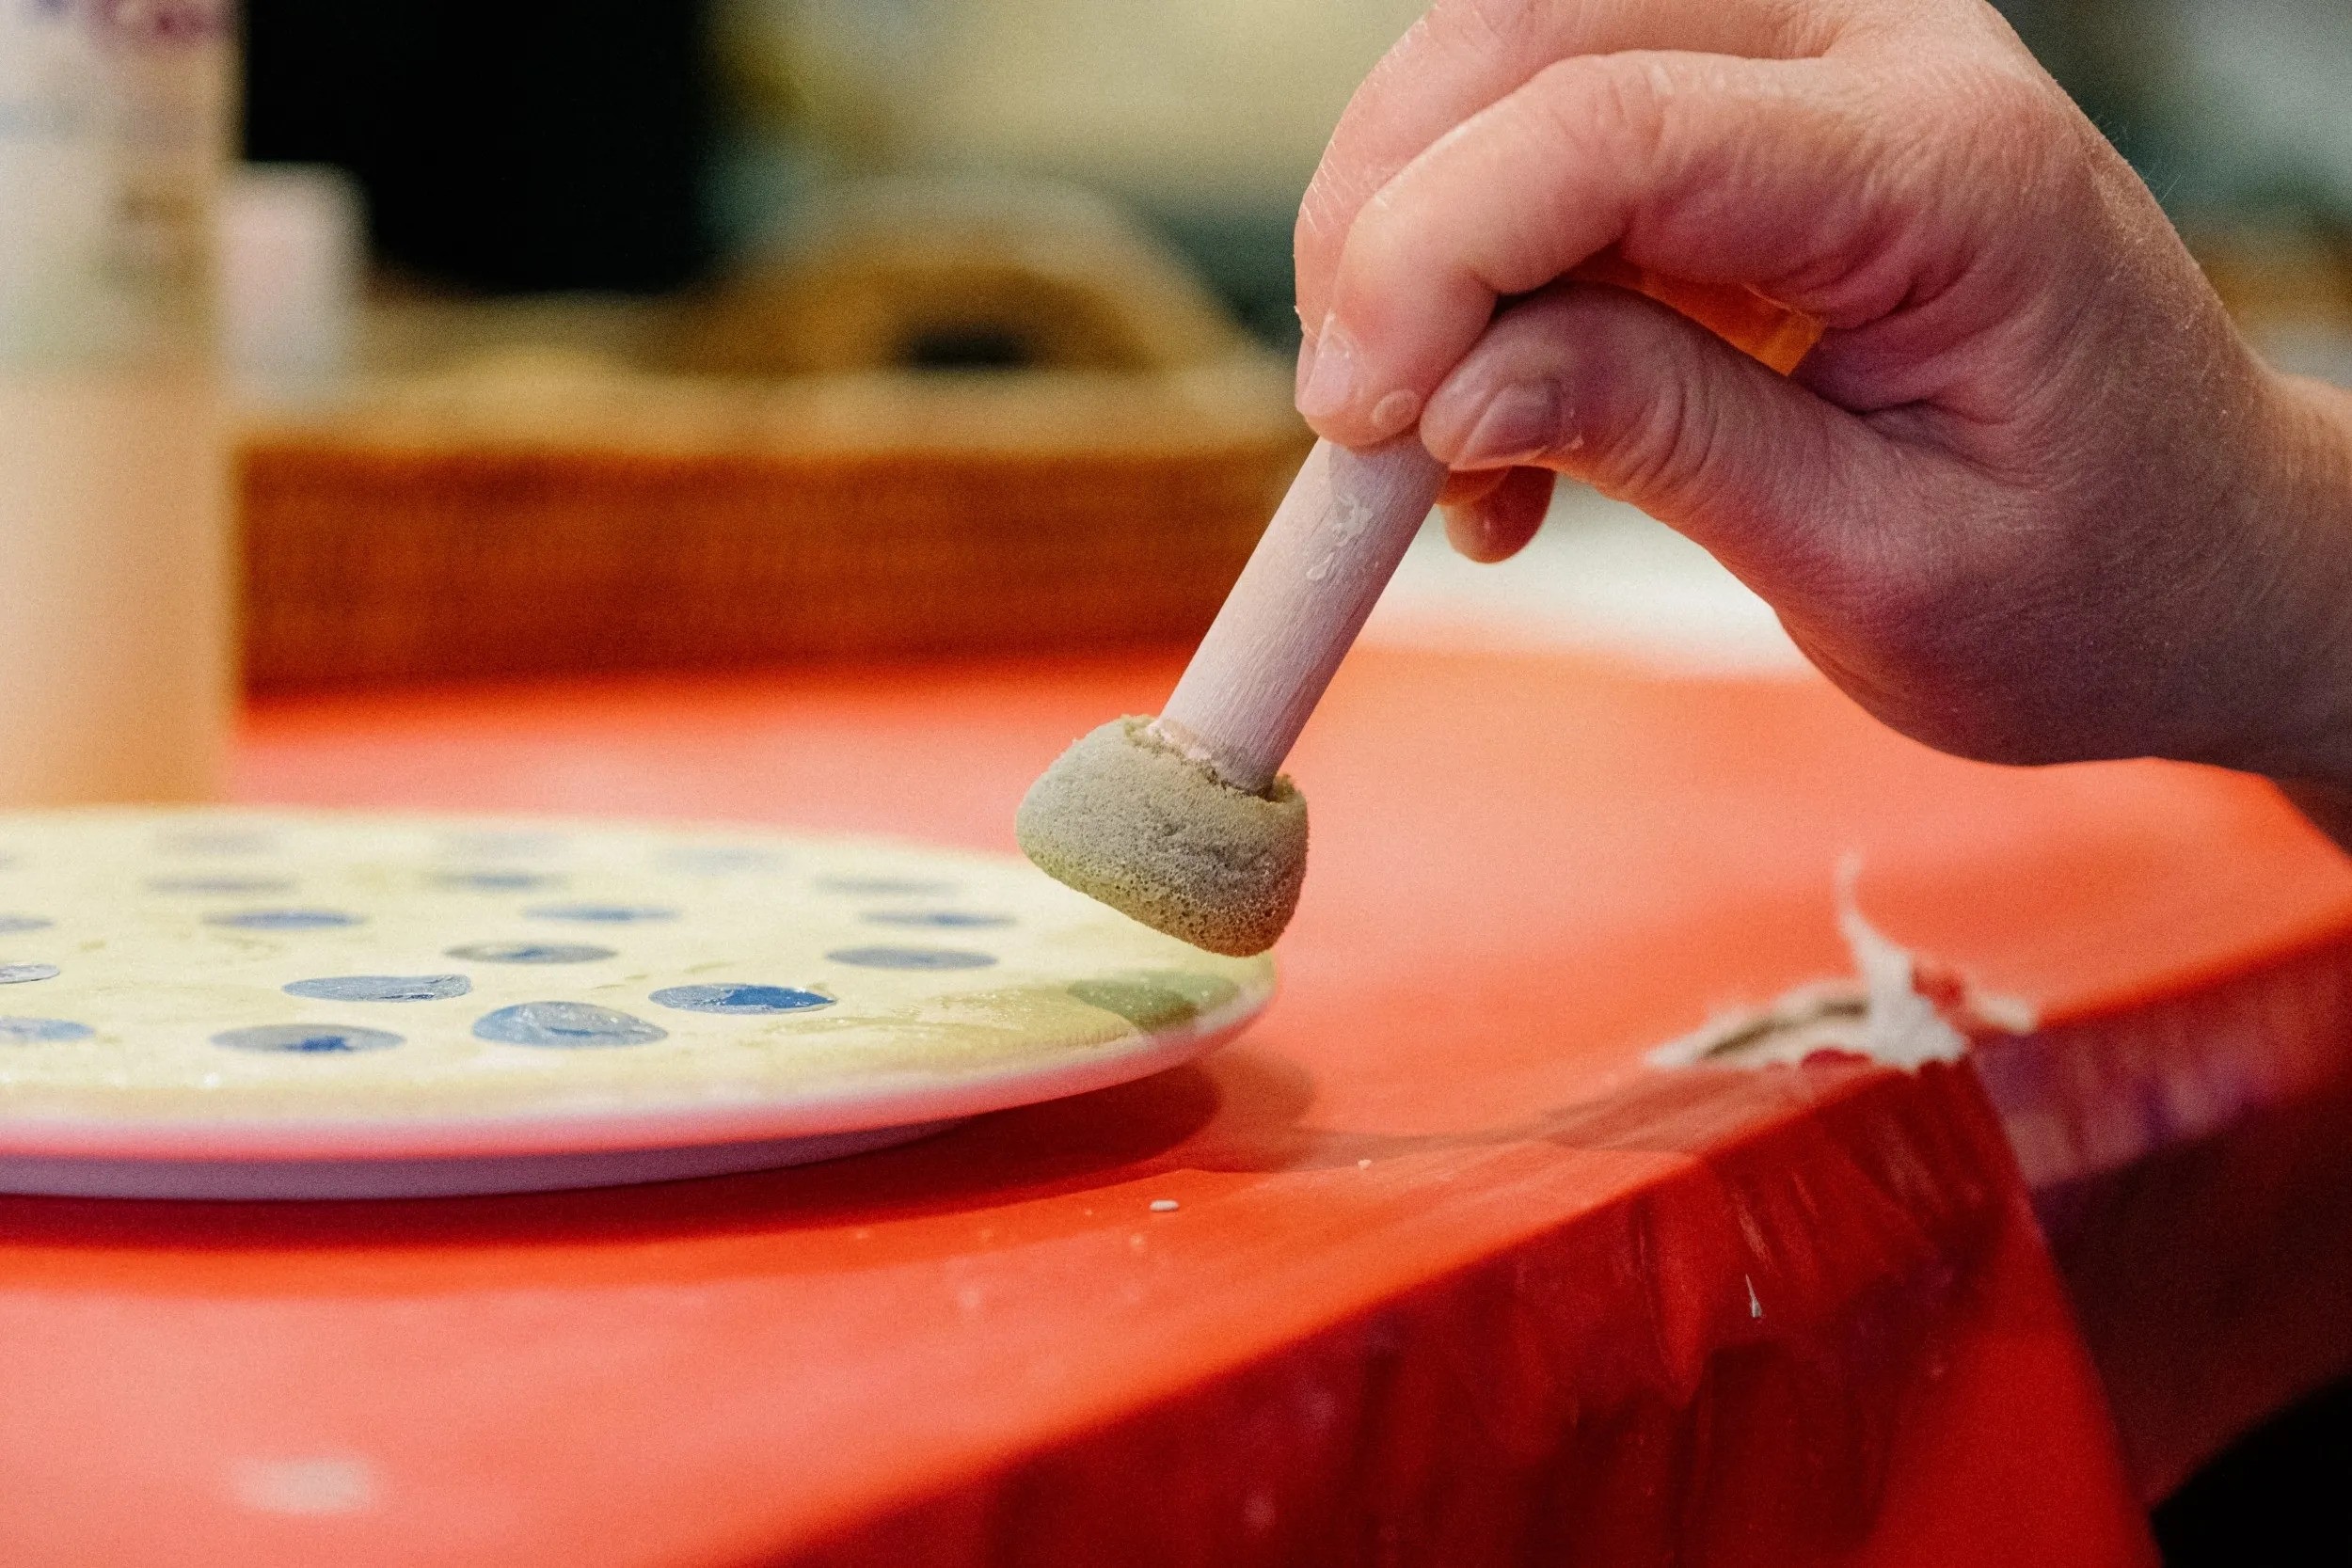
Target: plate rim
676	1124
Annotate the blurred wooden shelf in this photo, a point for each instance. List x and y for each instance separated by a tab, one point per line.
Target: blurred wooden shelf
930	432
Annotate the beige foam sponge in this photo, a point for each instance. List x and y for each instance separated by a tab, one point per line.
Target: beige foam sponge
1127	819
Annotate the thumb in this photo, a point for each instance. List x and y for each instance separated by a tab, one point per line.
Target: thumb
1647	406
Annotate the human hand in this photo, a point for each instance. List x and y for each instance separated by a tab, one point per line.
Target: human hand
2030	498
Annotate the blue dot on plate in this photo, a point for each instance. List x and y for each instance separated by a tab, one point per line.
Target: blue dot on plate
530	953
565	1024
282	919
310	1040
911	957
382	988
16	924
942	919
41	1031
883	887
220	885
496	881
602	915
741	999
18	975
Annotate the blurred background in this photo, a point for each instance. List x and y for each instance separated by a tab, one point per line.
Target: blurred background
701	259
640	145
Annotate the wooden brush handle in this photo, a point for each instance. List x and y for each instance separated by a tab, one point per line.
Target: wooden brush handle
1316	573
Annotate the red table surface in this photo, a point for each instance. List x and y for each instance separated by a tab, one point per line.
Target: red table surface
1456	1276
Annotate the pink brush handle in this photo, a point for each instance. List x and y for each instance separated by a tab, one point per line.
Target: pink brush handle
1315	576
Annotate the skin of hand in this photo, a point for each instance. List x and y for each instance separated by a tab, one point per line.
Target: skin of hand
2030	498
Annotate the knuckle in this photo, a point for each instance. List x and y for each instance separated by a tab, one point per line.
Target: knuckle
2001	114
1607	105
1666	451
2004	99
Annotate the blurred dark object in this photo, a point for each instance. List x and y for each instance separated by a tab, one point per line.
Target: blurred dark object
951	420
501	143
957	274
2278	1498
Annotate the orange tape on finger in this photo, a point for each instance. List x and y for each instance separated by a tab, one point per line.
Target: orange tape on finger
1759	326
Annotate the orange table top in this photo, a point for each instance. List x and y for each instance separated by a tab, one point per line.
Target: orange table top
1450	1256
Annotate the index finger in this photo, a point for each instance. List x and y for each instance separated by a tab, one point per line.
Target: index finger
1467	54
1780	176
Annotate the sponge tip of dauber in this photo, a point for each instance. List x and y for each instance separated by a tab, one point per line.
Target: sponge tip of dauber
1130	821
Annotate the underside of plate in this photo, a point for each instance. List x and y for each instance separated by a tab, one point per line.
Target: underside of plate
297	1180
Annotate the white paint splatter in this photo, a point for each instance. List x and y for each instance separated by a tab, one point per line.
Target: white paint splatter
1899	1027
1882	1013
1350	516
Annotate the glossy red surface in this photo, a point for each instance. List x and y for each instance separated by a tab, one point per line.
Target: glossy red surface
1455	1276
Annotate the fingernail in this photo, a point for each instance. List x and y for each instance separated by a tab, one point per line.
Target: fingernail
1393	414
1331	384
1306	365
1520	423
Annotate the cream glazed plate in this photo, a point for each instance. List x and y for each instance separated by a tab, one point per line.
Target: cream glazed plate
250	1004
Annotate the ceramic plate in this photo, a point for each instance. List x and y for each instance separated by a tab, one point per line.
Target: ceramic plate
247	1004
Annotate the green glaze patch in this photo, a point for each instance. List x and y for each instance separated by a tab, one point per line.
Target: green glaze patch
1156	999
